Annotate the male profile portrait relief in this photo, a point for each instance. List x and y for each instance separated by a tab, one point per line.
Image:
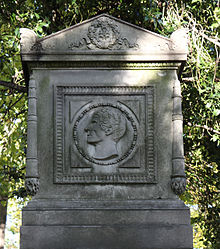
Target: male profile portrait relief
106	127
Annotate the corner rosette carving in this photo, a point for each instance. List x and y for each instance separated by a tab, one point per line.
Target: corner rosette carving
178	185
32	185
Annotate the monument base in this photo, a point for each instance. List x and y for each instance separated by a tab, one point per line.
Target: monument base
133	224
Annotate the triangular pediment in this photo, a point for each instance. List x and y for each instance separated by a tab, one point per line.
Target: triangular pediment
103	34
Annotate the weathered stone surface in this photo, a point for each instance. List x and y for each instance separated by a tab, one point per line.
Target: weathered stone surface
111	38
65	237
104	138
104	133
107	224
32	185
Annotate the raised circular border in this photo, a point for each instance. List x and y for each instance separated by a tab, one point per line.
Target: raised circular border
128	116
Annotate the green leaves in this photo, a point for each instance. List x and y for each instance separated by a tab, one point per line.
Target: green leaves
200	88
216	23
12	143
201	105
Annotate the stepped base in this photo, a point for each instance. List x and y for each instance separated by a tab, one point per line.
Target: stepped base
106	225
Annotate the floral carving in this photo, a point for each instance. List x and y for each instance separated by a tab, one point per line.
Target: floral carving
103	34
178	185
166	46
37	47
32	185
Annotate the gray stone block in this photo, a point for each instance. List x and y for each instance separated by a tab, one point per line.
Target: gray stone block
106	237
105	150
107	225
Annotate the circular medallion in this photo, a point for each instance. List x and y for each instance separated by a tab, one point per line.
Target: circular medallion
103	33
105	133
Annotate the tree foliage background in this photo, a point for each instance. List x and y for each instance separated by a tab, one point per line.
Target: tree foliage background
200	88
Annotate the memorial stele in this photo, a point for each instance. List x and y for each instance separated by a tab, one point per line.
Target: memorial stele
105	158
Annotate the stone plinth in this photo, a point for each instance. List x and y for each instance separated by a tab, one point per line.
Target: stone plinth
110	224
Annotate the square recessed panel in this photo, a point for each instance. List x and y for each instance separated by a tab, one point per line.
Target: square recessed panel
104	135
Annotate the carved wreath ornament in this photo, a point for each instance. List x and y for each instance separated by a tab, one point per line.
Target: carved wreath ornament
103	34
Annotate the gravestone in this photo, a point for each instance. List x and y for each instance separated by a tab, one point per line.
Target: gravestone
105	148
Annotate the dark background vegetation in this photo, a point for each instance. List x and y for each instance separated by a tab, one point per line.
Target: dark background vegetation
200	89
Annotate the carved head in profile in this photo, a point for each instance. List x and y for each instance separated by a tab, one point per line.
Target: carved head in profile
105	128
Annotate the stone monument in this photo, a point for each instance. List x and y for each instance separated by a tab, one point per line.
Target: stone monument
105	145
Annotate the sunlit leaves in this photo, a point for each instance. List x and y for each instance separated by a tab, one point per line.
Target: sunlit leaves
200	86
12	142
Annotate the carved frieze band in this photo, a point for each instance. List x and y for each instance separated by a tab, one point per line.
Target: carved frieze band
104	90
113	65
145	175
150	142
103	179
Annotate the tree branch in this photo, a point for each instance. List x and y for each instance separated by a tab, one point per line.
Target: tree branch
11	105
13	86
215	41
190	79
15	102
204	127
22	111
